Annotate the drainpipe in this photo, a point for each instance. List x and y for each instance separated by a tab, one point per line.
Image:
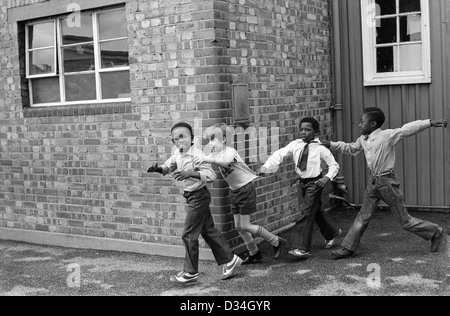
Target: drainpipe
338	108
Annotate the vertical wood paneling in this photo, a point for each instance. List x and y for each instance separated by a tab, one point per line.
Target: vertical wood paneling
423	161
446	83
410	146
436	111
356	79
348	164
423	148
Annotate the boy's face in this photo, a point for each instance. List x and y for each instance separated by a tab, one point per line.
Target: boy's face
307	132
216	142
182	139
366	125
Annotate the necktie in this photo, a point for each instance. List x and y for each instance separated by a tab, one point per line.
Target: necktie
303	161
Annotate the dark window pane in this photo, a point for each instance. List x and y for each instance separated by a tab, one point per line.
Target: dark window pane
113	24
409	6
115	85
387	31
410	28
77	31
79	58
41	35
45	90
114	54
411	57
385	59
385	7
42	61
80	87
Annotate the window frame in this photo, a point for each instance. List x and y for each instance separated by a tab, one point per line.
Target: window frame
374	78
59	62
28	50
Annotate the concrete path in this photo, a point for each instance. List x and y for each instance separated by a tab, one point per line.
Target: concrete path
390	262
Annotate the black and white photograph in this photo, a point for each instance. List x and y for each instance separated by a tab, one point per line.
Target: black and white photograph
225	155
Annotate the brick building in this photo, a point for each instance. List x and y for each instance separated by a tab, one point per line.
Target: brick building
89	90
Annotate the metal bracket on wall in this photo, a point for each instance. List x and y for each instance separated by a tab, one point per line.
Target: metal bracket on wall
241	103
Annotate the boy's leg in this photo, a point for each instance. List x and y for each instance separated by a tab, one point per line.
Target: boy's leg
214	238
327	226
250	243
371	200
301	235
258	231
195	218
393	196
244	203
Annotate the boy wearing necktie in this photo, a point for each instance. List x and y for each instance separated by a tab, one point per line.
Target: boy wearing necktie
308	154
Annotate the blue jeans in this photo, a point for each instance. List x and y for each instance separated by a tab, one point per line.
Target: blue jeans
387	189
301	235
198	222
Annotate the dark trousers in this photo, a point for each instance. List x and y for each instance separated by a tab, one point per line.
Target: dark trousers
386	188
198	222
301	235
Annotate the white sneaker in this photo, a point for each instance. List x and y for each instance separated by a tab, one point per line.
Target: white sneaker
184	278
330	243
301	254
229	269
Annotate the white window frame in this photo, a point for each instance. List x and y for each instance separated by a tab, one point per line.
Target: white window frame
29	50
59	63
371	76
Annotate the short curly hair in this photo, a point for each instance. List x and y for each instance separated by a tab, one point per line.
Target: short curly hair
314	123
185	125
375	115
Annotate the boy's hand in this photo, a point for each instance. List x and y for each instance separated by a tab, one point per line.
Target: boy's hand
183	175
155	169
326	143
198	160
439	123
261	172
322	182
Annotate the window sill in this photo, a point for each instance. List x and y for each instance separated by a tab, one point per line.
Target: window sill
397	81
78	110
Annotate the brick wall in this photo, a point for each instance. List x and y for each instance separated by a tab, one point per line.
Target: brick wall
81	170
282	50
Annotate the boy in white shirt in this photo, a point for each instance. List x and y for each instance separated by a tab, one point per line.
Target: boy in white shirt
242	191
308	154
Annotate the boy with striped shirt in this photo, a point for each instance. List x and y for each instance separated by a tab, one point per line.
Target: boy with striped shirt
242	192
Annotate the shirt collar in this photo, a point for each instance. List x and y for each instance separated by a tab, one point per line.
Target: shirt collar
373	134
315	140
190	152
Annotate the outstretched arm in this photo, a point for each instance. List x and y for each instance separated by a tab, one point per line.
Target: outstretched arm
274	161
341	147
223	159
414	128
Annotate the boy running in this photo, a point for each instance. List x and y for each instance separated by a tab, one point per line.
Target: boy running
242	192
199	221
379	148
308	154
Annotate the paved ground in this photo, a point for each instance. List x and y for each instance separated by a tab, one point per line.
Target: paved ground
390	262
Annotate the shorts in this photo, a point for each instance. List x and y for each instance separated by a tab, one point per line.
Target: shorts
243	200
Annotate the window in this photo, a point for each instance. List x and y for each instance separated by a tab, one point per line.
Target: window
396	42
78	60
